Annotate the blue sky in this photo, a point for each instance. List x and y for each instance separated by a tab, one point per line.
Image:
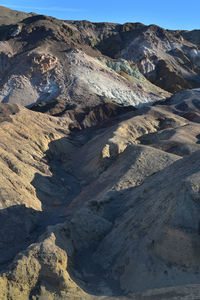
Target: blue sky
171	14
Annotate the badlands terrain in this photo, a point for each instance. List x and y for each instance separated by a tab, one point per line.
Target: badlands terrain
99	160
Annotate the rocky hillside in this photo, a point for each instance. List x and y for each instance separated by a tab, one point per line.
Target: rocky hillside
132	64
79	219
99	190
43	58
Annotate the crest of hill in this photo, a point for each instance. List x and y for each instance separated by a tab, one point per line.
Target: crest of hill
9	16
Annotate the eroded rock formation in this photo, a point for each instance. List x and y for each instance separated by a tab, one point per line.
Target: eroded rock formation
99	191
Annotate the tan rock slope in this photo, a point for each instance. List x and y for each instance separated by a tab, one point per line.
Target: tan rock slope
106	212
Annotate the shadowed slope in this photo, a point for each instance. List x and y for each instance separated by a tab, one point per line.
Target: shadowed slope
99	214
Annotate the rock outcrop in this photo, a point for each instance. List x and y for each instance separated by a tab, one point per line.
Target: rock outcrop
132	64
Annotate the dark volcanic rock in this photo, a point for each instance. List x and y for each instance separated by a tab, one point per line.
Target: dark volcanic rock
82	117
7	110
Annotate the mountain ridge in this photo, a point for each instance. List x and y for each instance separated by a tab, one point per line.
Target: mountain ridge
164	58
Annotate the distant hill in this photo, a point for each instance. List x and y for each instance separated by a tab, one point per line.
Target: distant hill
9	16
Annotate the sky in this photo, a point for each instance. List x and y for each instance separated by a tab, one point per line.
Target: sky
170	14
